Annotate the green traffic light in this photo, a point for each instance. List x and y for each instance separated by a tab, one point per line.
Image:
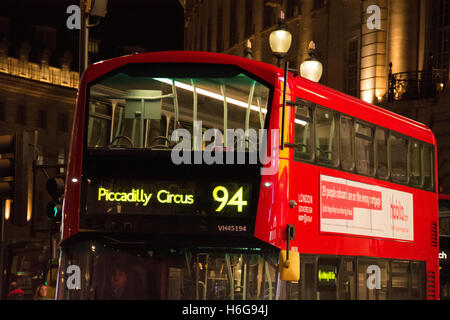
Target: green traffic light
54	211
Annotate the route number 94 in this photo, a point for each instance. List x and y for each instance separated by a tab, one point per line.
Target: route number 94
221	195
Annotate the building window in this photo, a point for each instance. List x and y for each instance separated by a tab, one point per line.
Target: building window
352	68
45	71
444	13
21	115
200	40
219	30
3	58
444	48
61	159
319	4
268	16
2	110
248	18
42	119
93	46
63	122
233	24
293	8
444	35
209	35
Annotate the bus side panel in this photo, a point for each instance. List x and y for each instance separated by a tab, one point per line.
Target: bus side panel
71	206
305	190
304	216
270	223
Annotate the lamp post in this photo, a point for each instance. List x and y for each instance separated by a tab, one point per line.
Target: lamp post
248	49
88	8
311	68
280	40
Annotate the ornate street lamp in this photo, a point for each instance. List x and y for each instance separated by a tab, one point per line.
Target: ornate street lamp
248	49
311	68
280	40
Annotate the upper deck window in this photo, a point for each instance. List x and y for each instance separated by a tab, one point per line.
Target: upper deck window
327	139
140	105
303	131
332	139
347	149
428	166
364	135
415	174
381	136
399	158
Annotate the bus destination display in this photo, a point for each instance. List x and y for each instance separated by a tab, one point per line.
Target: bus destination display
184	198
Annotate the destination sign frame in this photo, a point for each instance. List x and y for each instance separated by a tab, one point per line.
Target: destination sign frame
220	199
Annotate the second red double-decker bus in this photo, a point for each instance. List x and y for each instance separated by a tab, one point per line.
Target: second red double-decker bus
161	203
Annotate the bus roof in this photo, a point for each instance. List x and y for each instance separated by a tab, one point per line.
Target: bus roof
362	110
262	70
307	89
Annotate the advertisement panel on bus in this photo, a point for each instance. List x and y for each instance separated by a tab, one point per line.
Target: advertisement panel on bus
356	208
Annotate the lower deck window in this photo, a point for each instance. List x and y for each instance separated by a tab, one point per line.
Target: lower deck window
357	278
126	272
111	271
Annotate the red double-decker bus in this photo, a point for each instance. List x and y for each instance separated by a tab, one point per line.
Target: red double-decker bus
159	203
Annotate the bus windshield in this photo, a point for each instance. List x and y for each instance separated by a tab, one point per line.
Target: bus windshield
140	105
110	272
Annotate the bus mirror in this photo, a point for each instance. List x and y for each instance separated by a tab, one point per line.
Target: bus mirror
289	268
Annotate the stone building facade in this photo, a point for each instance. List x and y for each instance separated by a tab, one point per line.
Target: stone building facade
37	95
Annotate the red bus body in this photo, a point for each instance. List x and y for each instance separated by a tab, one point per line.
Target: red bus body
298	181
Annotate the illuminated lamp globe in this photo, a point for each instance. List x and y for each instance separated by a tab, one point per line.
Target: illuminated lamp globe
311	68
280	40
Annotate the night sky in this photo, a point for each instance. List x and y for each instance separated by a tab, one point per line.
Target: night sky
152	24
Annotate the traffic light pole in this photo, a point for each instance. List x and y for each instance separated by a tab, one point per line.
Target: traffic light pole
84	38
2	249
52	231
88	8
